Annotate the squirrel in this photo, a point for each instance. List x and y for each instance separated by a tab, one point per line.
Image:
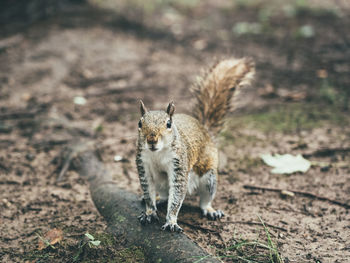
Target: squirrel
176	153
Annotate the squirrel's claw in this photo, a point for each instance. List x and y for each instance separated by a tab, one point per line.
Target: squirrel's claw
213	215
172	227
144	218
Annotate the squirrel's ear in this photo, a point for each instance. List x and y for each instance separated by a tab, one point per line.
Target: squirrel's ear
143	109
171	109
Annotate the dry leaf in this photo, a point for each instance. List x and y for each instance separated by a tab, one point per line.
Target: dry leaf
52	237
322	73
296	96
267	91
286	163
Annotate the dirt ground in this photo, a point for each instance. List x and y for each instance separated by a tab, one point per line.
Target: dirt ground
115	55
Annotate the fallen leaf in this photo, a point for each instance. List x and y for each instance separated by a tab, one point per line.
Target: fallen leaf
96	243
52	237
89	236
267	91
287	163
322	73
296	96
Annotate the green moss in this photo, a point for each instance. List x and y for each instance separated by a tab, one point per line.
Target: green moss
128	255
288	118
121	218
105	238
147	242
38	255
238	140
118	218
109	250
133	254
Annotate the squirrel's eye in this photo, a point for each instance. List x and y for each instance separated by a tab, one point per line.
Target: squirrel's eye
168	124
140	124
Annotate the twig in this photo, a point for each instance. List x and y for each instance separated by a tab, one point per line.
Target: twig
198	227
255	223
327	152
42	144
25	114
222	239
288	210
306	194
65	167
10	182
71	154
17	115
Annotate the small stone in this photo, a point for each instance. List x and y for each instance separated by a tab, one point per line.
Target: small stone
6	203
118	158
79	100
325	168
30	157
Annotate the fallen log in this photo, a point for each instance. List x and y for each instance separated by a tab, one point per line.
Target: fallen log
121	208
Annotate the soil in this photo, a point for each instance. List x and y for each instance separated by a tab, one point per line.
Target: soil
113	58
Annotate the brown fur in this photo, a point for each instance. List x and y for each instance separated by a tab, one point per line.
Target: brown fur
201	151
215	90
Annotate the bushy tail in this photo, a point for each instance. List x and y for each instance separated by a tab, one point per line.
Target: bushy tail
215	90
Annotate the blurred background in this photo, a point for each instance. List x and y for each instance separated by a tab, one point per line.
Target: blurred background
75	70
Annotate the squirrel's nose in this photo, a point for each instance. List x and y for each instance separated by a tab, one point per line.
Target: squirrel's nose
152	139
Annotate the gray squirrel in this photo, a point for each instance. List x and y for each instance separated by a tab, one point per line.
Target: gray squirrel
176	153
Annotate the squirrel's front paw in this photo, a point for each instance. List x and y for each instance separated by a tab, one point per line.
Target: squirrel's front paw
148	218
173	227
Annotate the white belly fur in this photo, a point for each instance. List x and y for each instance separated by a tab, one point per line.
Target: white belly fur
193	182
159	164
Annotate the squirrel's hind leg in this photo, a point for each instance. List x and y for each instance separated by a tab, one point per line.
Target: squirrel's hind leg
207	191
